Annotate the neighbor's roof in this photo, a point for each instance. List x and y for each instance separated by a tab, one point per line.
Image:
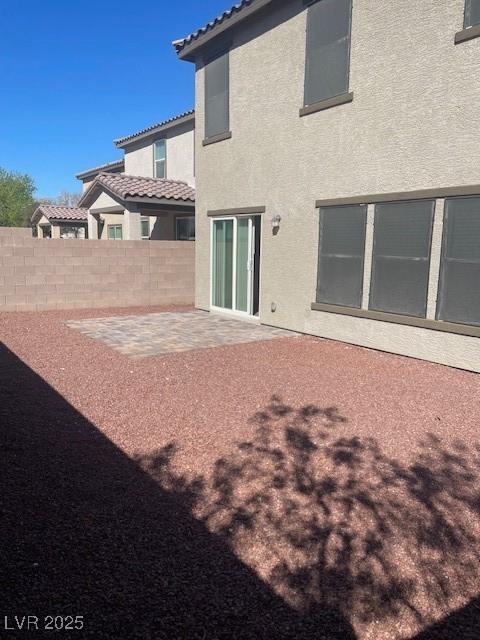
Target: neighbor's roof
221	23
152	129
55	212
109	166
131	187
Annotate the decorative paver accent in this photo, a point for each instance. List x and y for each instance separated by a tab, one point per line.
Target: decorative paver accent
163	333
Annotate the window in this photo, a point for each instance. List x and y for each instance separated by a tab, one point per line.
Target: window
185	228
160	158
73	232
114	232
341	255
327	62
472	13
46	231
401	257
217	116
458	293
145	224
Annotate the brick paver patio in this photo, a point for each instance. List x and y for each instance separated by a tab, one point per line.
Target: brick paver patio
162	333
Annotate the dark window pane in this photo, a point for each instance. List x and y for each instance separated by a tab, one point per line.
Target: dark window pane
463	229
472	13
403	229
217	96
341	255
328	21
401	257
185	228
460	297
343	230
459	288
341	281
145	224
328	50
400	286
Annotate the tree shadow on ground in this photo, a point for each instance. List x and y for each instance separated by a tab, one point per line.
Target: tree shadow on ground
86	532
332	523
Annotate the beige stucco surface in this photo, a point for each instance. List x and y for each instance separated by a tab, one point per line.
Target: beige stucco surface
86	183
104	201
411	125
162	226
180	154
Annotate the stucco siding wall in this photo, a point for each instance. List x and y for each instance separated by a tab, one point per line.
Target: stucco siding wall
163	227
139	159
180	155
104	201
410	126
109	218
38	274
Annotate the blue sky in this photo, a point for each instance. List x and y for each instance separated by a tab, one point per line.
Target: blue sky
76	75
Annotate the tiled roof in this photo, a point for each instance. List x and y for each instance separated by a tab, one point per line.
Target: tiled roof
222	19
109	166
55	212
151	129
126	187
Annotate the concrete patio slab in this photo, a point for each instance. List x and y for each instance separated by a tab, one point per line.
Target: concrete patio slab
159	334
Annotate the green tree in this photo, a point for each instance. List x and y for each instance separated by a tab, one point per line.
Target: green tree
16	199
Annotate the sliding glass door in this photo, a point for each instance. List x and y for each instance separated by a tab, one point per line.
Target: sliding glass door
233	248
223	264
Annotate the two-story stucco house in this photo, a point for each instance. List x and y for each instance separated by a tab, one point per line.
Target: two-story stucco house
150	193
338	171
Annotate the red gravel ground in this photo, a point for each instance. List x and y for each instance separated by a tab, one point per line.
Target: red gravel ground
293	488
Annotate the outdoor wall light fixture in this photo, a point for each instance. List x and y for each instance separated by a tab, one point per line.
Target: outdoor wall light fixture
276	222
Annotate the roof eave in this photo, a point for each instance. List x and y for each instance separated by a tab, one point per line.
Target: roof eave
68	220
121	143
94	172
190	51
174	202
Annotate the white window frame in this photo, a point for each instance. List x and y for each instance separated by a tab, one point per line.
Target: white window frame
142	220
156	160
234	311
116	227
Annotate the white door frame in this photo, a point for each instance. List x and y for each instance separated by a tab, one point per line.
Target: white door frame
251	252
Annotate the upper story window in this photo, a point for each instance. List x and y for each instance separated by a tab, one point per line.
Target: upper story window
160	158
472	13
217	107
327	65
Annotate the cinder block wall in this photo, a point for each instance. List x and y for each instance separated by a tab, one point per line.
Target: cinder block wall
38	274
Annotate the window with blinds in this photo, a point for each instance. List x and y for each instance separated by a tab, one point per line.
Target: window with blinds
327	63
401	257
217	112
472	13
459	287
341	255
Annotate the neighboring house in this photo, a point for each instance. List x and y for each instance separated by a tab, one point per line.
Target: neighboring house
52	221
123	207
153	196
338	171
87	177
